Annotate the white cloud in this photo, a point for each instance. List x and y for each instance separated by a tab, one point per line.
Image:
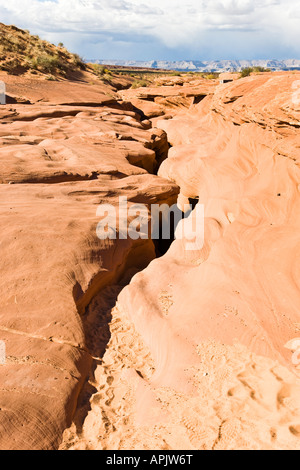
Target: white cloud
174	23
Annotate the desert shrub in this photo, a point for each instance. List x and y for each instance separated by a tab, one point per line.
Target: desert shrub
12	44
107	77
12	66
98	69
51	78
139	84
246	72
34	53
78	61
212	76
101	70
47	63
259	69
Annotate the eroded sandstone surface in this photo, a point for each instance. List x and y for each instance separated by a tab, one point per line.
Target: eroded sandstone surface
58	164
213	328
110	346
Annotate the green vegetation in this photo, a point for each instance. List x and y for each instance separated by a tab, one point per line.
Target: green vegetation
47	63
139	84
101	71
211	76
260	69
246	72
78	62
21	52
51	78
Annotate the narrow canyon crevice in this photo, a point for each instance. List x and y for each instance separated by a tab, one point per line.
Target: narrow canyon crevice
101	314
96	305
173	326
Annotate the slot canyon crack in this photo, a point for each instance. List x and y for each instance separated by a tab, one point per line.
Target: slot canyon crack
199	341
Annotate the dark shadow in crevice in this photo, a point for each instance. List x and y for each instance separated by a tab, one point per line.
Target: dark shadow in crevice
198	99
193	201
166	228
96	324
16	100
165	239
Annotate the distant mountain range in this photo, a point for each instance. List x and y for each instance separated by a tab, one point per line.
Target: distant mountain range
206	66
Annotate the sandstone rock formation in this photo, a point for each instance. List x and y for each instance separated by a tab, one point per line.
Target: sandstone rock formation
58	164
108	347
200	354
170	93
228	152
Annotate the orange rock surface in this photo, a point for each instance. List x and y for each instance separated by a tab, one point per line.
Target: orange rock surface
58	164
214	328
238	153
110	348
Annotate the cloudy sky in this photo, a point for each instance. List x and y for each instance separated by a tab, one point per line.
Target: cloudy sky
163	29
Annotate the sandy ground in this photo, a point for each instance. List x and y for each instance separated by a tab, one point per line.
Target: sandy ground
238	400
